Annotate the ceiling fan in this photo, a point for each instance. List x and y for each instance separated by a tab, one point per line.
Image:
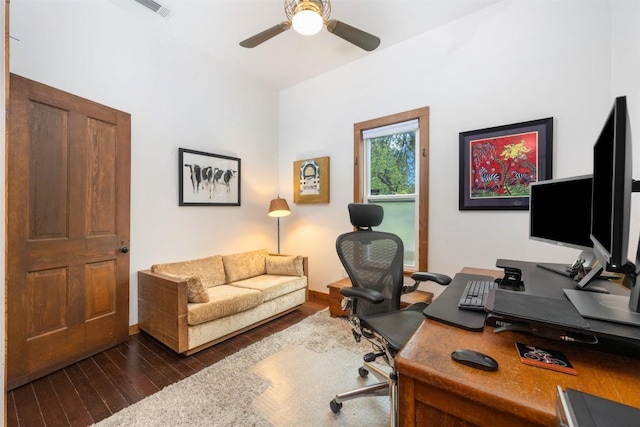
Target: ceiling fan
308	17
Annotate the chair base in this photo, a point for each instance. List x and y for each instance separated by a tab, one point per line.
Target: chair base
386	387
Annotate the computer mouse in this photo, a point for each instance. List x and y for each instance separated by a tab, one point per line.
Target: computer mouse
475	359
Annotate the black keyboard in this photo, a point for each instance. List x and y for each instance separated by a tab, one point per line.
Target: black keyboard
475	294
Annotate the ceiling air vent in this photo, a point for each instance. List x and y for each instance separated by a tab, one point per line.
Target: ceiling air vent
157	8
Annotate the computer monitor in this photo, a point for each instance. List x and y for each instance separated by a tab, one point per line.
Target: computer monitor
612	182
611	195
560	214
610	216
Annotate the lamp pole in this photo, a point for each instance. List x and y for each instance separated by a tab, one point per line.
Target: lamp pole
278	235
277	208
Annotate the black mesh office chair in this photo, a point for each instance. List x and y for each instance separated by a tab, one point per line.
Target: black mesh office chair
374	262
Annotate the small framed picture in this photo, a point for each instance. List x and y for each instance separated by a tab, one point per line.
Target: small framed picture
311	180
497	164
208	179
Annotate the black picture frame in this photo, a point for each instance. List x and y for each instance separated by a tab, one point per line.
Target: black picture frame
497	164
207	179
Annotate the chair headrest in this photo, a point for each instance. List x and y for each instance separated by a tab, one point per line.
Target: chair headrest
365	215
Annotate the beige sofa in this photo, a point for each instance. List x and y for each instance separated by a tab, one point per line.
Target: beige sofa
191	305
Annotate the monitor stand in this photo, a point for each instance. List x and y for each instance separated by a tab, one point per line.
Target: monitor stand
584	270
612	308
563	269
624	309
585	262
585	283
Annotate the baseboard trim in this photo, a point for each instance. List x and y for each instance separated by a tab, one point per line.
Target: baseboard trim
318	297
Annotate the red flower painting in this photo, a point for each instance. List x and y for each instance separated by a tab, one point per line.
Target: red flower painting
503	166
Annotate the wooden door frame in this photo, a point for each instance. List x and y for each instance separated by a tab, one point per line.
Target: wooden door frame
3	210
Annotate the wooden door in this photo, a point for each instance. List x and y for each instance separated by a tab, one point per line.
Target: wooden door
67	262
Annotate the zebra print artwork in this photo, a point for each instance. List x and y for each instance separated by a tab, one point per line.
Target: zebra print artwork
498	166
507	174
489	179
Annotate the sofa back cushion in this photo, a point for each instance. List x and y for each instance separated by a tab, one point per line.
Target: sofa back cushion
244	265
209	270
284	265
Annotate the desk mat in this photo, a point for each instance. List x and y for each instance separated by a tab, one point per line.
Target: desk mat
445	307
522	306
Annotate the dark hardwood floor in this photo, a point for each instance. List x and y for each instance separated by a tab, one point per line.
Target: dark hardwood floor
97	387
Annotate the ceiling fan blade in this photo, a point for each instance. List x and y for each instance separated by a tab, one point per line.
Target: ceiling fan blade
265	35
353	35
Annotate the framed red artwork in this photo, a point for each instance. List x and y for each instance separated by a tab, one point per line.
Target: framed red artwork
497	164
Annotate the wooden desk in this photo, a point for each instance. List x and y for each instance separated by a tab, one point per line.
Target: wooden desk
435	390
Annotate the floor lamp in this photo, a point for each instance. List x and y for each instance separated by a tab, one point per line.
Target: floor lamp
278	208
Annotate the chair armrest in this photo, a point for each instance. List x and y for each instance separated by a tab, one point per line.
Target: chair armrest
425	276
370	295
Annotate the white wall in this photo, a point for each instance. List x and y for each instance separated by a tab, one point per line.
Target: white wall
512	62
177	98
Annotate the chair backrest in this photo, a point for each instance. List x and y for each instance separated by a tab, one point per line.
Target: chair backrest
372	259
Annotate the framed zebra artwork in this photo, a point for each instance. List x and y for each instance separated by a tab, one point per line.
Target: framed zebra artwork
208	179
497	164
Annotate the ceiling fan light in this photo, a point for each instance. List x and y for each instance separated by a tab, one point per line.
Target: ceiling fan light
307	22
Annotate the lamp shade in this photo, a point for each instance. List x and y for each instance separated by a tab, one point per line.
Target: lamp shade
279	207
307	22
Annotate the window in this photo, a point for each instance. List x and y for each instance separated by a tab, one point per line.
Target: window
390	180
391	169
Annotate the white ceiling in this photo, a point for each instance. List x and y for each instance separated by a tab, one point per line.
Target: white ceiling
217	27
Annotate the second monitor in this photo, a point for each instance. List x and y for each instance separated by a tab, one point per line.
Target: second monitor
560	214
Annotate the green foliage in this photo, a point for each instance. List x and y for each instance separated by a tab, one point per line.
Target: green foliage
393	168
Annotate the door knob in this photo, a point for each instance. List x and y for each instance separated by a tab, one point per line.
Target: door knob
124	249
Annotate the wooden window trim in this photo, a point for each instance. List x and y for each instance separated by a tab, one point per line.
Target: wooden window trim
422	115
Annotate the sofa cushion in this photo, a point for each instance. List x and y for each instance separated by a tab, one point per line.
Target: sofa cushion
209	270
272	286
224	300
284	265
196	291
244	265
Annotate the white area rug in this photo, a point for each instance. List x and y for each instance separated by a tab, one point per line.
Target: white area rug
303	383
287	379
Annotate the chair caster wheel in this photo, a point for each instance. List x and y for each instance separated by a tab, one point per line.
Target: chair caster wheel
363	372
335	406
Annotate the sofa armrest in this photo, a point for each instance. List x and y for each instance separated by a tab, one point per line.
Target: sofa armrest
162	309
